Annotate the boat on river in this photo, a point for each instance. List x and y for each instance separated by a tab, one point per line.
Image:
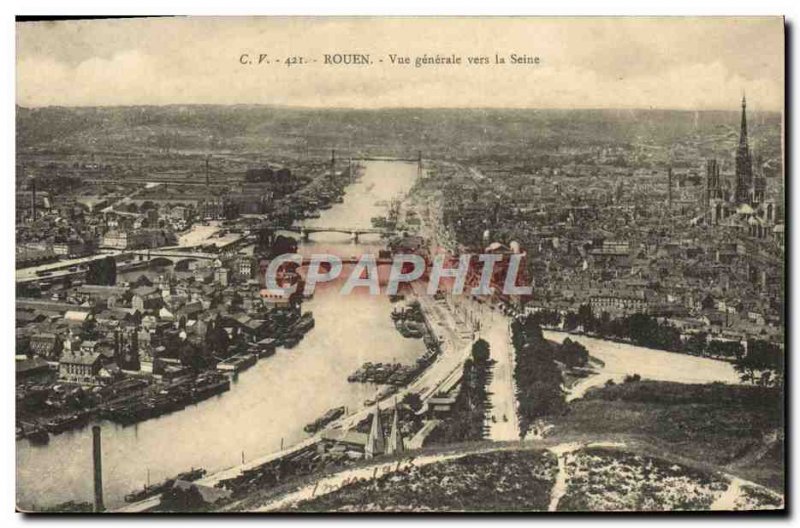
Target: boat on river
208	385
63	423
161	487
410	329
290	341
324	420
237	363
304	324
36	435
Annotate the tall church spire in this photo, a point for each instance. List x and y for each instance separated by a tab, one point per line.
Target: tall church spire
743	129
375	441
395	444
744	163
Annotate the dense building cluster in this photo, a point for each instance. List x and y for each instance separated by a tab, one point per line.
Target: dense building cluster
688	230
149	282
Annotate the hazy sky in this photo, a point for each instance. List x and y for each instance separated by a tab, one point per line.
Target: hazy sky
686	63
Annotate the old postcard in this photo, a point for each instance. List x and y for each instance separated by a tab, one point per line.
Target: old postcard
396	264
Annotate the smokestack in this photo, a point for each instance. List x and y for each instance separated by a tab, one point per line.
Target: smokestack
98	470
669	188
33	198
333	163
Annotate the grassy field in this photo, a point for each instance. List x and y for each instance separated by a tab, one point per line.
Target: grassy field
603	479
557	477
498	481
737	428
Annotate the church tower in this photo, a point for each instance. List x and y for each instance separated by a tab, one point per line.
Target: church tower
713	181
395	444
759	182
744	163
376	443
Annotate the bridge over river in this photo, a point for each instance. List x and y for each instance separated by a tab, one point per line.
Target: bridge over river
175	257
270	403
78	266
354	232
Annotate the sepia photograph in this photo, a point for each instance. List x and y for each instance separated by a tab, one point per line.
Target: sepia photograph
395	264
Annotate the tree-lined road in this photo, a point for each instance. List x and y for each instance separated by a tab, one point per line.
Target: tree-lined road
502	393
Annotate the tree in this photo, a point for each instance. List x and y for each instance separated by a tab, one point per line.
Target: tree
573	354
182	500
413	400
645	331
532	330
586	317
89	330
102	272
726	349
697	344
282	245
537	376
708	302
571	321
480	351
605	326
547	317
762	364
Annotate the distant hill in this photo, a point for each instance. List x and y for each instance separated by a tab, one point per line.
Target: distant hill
461	133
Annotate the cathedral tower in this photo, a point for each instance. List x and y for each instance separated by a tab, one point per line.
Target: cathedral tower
744	163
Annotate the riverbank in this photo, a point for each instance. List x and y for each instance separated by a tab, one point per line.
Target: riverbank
269	404
55	406
303	457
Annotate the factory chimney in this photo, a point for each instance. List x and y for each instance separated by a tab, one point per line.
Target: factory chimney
669	188
98	470
33	199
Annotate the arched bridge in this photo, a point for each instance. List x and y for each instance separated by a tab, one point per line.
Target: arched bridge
354	259
174	256
354	232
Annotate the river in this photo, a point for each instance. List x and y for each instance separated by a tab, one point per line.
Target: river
623	359
267	404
